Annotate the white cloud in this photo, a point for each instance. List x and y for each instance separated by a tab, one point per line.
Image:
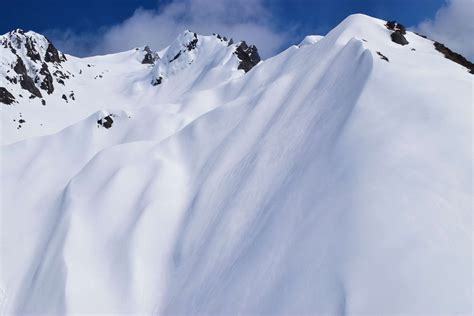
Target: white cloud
453	25
240	19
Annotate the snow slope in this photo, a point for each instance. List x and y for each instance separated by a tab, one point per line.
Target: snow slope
324	181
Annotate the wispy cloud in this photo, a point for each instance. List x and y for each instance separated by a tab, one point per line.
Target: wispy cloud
240	19
454	26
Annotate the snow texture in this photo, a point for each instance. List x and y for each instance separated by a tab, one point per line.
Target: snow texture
325	181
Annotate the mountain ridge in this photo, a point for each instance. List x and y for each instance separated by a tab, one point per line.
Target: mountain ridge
325	180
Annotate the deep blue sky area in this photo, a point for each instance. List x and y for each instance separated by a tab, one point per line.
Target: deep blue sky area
311	14
308	16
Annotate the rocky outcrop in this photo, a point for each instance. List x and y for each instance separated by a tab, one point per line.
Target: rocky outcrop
53	55
36	65
47	83
150	56
399	31
31	50
457	58
106	122
193	43
5	96
25	80
248	56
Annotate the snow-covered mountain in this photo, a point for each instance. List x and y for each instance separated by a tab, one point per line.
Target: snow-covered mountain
334	178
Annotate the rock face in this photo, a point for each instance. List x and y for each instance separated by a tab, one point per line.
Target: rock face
150	56
248	56
53	55
47	83
35	62
25	80
457	58
5	96
203	54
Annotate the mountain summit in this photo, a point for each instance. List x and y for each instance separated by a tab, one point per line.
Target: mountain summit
333	178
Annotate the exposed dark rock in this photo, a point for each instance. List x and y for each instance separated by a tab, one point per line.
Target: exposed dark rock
248	56
421	35
47	83
382	56
157	81
21	121
192	45
31	50
150	57
397	37
52	54
457	58
106	121
43	102
413	49
61	81
71	96
394	26
25	81
400	27
60	74
64	97
176	57
5	96
399	32
32	96
391	25
19	66
222	38
231	42
12	80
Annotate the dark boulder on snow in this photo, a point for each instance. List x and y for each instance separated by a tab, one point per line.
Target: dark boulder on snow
399	30
157	81
397	37
457	58
248	56
106	122
5	96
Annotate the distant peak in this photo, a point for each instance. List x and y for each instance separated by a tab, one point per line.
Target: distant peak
34	45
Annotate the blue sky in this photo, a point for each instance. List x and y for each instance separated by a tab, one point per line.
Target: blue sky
85	27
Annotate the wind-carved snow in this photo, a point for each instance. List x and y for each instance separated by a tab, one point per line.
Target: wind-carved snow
323	181
310	40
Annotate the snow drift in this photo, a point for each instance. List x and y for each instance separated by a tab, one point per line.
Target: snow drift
325	180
